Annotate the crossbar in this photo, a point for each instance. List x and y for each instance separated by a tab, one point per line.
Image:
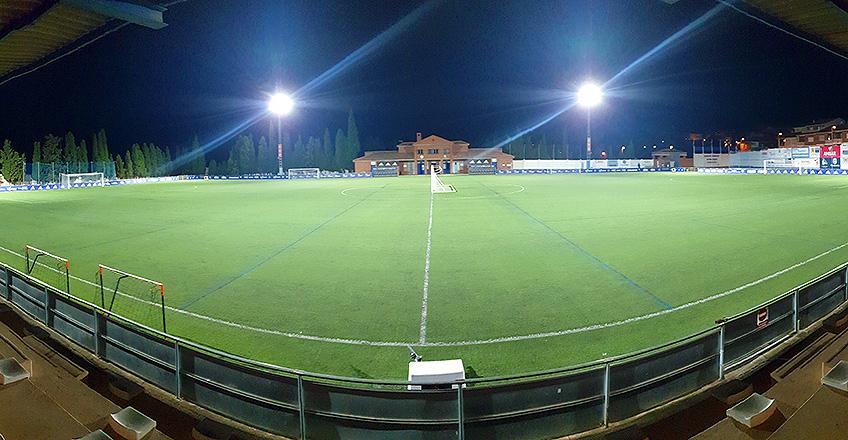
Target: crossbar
123	275
39	253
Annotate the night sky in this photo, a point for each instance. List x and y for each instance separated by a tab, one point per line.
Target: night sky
473	70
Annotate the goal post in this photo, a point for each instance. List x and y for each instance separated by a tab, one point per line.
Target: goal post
55	269
436	184
92	179
304	173
145	298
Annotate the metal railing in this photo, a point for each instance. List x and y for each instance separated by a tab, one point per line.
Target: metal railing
544	404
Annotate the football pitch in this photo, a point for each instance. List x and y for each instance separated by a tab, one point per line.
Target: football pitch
511	273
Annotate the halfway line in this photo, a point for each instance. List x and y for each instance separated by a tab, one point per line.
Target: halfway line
422	330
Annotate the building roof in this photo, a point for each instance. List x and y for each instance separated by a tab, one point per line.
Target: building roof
471	153
382	155
32	30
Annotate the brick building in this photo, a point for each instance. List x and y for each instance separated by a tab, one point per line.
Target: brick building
833	131
452	157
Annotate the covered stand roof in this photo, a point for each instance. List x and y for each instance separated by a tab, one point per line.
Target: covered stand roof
33	30
824	20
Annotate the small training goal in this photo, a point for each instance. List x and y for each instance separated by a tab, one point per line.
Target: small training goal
304	173
132	296
81	179
436	184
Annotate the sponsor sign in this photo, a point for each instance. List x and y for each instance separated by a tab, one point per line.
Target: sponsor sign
830	151
801	153
762	317
829	163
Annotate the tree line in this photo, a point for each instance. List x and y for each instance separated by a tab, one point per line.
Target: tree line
53	155
250	156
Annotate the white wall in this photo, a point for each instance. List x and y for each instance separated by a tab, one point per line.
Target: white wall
573	164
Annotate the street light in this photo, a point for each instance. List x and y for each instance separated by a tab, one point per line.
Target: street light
589	95
281	105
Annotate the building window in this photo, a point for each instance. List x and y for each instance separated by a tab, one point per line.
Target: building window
445	151
433	151
419	151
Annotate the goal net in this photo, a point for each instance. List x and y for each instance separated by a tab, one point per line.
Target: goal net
780	164
81	179
304	173
48	268
436	184
133	297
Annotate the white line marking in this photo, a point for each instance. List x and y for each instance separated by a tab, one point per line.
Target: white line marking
344	191
230	323
422	330
469	342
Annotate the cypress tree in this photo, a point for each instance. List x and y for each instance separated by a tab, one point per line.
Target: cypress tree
70	156
327	150
82	155
119	167
341	148
139	166
129	171
36	152
353	144
50	151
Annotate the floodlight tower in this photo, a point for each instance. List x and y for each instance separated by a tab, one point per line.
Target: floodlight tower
281	105
589	95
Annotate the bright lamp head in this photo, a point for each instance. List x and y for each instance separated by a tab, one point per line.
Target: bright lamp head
280	104
589	95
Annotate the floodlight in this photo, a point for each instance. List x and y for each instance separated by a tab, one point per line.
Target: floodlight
280	104
589	95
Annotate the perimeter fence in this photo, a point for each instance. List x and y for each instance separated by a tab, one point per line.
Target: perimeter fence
299	404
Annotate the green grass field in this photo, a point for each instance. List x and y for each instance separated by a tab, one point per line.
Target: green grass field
329	275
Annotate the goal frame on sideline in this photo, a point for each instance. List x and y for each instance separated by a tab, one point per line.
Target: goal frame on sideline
63	177
436	184
317	173
122	275
42	253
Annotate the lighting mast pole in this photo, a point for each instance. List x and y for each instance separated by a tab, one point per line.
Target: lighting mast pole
589	95
281	105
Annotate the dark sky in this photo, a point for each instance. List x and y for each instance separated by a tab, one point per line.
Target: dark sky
472	70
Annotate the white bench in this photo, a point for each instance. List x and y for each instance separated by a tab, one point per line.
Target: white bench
12	371
837	377
131	424
752	411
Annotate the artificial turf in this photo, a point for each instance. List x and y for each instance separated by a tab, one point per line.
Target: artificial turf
510	256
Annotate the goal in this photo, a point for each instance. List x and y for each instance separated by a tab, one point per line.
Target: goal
48	268
781	164
131	296
304	173
81	179
436	184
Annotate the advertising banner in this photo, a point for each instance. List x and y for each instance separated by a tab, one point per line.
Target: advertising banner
830	151
844	154
801	153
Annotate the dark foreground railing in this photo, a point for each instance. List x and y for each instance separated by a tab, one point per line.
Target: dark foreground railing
539	405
